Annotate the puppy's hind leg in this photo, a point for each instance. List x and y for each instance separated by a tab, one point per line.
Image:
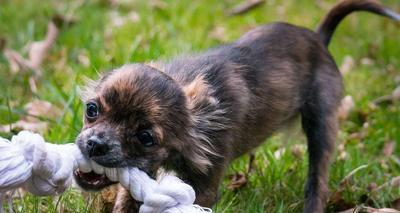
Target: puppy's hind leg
320	125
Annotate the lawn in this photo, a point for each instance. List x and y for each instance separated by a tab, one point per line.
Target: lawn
104	37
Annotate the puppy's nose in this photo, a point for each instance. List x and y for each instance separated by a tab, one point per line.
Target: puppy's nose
96	147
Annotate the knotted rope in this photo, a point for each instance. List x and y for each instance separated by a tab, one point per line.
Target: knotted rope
46	169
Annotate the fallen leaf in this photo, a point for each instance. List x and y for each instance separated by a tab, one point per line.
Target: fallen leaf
388	99
394	183
39	126
32	84
342	154
397	79
244	7
38	50
298	150
118	20
336	198
18	193
238	180
158	4
16	61
361	134
113	3
278	153
366	209
84	59
372	186
218	33
395	159
133	17
367	61
347	65
396	93
388	148
36	111
346	106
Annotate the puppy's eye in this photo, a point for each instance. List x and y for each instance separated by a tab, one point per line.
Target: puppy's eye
146	138
92	110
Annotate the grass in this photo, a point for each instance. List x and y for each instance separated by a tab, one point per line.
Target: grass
178	27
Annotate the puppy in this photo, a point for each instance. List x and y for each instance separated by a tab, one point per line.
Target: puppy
195	114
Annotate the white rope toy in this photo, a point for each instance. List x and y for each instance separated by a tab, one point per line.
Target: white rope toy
46	169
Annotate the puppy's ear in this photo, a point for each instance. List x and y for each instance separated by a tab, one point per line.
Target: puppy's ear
198	92
206	118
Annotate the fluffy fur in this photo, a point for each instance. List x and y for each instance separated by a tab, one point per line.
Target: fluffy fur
206	110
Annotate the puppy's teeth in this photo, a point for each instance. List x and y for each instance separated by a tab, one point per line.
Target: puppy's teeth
111	173
84	166
123	175
97	168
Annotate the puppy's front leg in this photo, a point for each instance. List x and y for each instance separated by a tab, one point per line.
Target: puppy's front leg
124	202
207	186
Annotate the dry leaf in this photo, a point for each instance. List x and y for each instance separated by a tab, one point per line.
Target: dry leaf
397	79
158	4
84	59
388	148
31	121
133	17
372	186
244	7
18	193
40	108
342	154
39	126
367	61
298	150
238	180
16	61
361	134
394	183
117	20
365	209
346	106
347	65
278	153
218	33
336	198
396	93
37	51
388	99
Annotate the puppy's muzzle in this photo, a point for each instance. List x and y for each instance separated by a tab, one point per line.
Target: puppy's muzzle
96	147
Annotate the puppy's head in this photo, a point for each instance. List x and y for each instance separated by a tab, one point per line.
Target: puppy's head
135	116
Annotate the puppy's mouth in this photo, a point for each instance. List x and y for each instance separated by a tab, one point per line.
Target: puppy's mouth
97	179
91	180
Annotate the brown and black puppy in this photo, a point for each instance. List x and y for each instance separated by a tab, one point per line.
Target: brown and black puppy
193	115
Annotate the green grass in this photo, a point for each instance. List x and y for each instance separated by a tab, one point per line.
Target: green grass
275	185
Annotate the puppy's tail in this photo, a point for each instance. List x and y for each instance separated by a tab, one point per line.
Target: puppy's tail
344	8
